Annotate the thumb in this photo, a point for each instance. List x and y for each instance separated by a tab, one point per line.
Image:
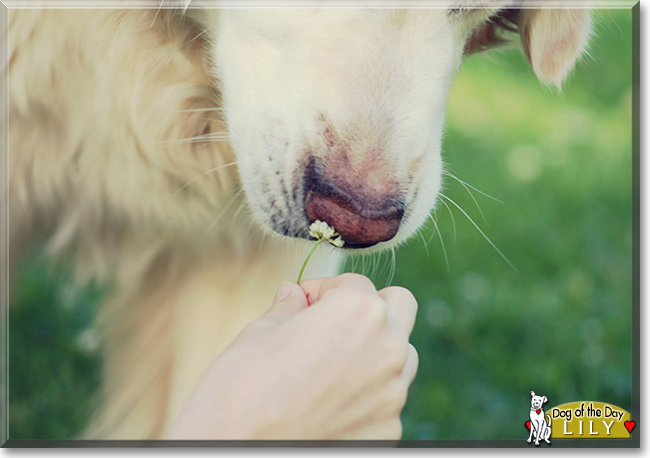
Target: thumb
289	300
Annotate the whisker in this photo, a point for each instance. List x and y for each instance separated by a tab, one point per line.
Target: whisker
262	241
475	201
393	267
449	174
224	210
347	264
194	110
481	232
385	265
355	263
204	174
453	220
217	136
157	11
242	205
198	34
374	264
424	242
433	232
444	250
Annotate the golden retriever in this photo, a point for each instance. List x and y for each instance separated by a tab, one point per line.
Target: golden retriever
180	155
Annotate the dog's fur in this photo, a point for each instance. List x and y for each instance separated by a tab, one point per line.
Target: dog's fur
539	426
102	103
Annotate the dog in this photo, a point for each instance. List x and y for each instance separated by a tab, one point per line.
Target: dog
538	424
179	155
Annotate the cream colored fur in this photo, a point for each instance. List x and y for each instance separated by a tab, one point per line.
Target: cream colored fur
100	104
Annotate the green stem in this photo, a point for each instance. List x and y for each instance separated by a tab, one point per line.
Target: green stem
307	260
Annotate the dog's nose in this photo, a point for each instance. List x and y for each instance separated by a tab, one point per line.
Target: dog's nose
358	226
361	218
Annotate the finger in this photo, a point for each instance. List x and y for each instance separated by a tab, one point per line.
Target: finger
316	288
289	300
401	308
311	288
411	366
384	430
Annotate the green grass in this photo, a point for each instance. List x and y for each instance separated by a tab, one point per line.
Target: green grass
54	362
561	163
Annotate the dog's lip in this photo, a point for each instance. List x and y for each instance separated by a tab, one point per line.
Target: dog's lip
347	245
359	245
286	230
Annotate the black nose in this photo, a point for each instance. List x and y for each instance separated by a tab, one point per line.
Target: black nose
361	216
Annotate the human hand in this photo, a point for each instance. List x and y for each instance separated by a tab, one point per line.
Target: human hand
329	360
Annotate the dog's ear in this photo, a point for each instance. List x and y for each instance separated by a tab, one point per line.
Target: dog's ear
553	39
532	393
544	399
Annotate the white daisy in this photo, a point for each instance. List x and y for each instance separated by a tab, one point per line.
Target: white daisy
320	230
337	242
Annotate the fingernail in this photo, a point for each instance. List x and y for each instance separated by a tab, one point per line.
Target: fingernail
284	291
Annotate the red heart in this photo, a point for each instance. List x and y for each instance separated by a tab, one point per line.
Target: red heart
630	425
538	411
528	424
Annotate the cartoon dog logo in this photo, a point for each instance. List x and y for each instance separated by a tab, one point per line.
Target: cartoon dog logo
538	424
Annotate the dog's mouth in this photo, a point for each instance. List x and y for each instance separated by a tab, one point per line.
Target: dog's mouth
370	188
362	215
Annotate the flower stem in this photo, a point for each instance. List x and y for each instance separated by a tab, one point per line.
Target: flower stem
307	260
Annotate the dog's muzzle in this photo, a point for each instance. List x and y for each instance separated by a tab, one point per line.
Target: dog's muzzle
361	215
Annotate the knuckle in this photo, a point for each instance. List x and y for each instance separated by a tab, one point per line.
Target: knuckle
397	393
354	278
373	304
395	349
414	352
394	430
405	293
370	308
412	303
406	298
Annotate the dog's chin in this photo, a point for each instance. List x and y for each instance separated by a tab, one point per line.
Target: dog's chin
296	227
302	234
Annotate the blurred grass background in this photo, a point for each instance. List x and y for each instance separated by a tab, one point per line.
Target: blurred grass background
561	163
